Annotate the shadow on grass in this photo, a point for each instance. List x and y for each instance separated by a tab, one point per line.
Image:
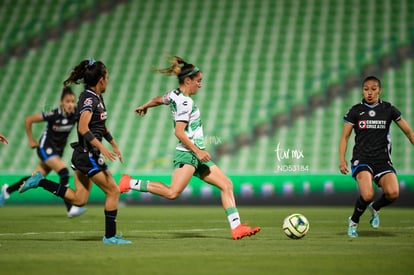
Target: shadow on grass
371	234
186	235
88	239
375	233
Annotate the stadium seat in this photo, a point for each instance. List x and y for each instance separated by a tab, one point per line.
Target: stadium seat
259	58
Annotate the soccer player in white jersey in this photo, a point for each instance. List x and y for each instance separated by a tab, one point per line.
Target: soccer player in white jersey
371	155
191	158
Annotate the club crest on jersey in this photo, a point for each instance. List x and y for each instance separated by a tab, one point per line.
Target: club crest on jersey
101	161
362	124
103	116
87	102
371	113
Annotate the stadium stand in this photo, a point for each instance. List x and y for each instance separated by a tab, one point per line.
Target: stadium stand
260	59
317	135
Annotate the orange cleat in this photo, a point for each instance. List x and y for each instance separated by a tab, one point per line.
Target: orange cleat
124	183
243	230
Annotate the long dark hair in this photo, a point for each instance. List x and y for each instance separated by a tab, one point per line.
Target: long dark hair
88	71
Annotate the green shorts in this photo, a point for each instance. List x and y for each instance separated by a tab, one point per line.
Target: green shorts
183	157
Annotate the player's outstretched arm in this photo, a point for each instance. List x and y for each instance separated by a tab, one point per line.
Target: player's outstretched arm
154	102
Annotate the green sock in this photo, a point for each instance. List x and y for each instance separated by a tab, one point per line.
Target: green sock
139	185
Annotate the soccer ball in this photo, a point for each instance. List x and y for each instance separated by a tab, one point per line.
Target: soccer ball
295	226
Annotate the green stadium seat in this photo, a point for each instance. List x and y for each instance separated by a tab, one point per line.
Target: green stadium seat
257	58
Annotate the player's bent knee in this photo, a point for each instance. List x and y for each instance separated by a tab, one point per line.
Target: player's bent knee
172	195
228	186
368	197
392	196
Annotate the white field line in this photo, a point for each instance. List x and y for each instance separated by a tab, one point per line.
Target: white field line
97	232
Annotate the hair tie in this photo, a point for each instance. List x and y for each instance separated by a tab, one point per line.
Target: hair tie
91	61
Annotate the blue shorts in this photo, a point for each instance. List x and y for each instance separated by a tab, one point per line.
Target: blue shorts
46	152
89	163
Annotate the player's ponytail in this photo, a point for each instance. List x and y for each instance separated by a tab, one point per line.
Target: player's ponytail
87	71
180	68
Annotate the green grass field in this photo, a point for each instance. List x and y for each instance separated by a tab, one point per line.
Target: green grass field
196	240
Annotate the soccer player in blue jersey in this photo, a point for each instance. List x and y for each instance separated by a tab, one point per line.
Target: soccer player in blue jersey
191	158
371	155
50	147
87	157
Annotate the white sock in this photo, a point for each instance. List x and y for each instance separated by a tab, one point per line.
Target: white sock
139	185
234	220
135	184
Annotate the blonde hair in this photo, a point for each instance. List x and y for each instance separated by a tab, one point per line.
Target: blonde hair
180	68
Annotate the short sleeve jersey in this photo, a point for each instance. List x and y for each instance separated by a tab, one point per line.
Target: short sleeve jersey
371	124
58	127
94	103
184	109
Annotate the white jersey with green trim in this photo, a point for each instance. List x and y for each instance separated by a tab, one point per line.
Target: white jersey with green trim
184	109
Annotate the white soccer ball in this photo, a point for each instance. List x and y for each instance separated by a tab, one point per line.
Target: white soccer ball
295	226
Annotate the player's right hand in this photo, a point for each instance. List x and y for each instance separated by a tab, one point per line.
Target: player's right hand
33	144
343	167
141	111
203	156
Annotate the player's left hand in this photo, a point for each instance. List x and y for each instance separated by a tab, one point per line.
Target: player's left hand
118	153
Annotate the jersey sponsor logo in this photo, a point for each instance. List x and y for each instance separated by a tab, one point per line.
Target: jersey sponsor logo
87	102
362	124
63	128
372	124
